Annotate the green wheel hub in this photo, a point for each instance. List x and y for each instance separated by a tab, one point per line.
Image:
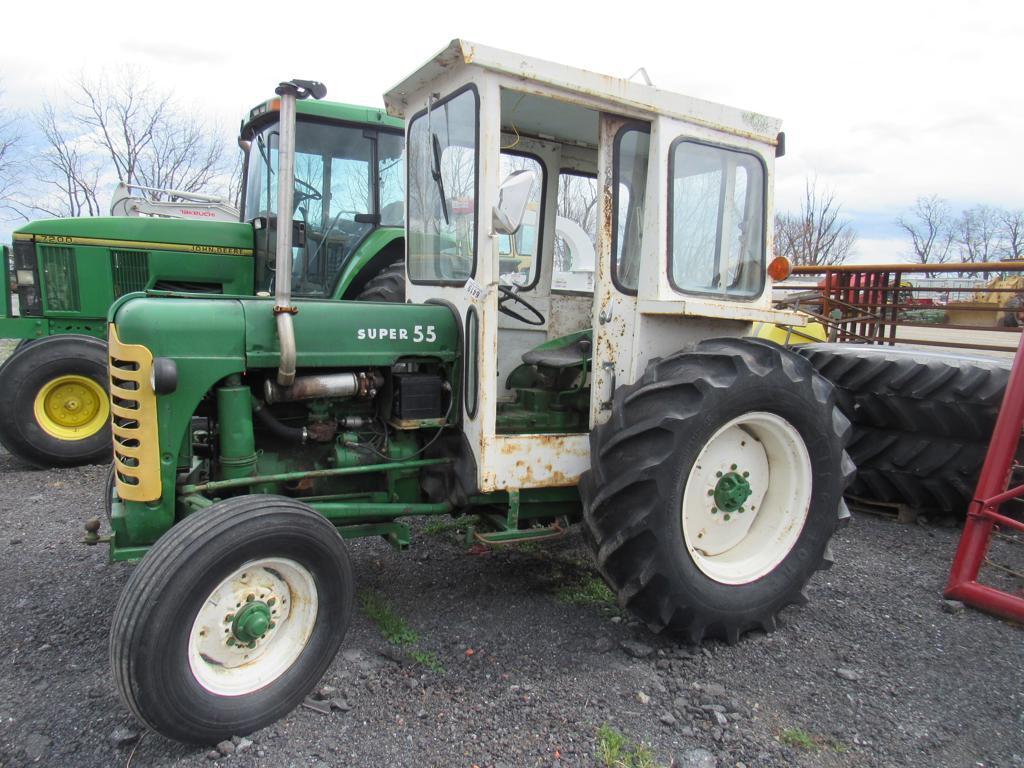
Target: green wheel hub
251	622
731	492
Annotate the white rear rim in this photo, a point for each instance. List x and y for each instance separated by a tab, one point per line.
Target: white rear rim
758	465
274	594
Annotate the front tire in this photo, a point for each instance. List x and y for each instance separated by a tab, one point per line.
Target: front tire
57	411
739	425
231	619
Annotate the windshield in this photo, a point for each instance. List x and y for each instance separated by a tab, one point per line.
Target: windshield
442	191
347	181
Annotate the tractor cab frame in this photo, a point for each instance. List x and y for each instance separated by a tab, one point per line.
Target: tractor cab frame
682	237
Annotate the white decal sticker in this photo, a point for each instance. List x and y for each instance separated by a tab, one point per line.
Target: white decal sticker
474	290
420	334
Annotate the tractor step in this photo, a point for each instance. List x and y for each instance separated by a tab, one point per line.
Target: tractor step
501	535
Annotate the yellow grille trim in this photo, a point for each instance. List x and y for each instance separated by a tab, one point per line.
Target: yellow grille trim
139	479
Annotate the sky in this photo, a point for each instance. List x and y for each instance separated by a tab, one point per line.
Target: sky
882	102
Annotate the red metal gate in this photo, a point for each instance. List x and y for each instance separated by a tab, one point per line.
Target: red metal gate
984	515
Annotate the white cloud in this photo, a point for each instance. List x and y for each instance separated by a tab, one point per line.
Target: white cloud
879	250
884	101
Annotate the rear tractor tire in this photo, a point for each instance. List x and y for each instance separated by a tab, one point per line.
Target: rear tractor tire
715	488
56	409
387	285
231	618
943	394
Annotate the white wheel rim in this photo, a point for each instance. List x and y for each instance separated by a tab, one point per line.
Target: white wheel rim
738	547
223	665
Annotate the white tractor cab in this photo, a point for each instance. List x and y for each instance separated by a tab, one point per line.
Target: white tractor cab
680	207
710	465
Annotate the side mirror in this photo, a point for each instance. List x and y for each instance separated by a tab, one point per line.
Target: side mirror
513	196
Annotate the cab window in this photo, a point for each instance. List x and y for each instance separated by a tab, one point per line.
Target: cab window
716	231
442	190
575	232
632	146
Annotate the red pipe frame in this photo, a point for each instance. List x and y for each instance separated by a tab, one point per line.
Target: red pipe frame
983	515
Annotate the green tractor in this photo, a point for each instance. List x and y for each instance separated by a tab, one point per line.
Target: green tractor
253	436
67	272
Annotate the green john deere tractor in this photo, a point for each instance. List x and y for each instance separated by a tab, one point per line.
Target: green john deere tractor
254	435
67	272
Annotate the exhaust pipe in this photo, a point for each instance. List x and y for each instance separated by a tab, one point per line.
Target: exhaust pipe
283	308
364	384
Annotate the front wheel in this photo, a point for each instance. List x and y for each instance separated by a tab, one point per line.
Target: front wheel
716	486
231	619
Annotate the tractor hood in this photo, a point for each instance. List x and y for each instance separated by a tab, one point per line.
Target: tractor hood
141	232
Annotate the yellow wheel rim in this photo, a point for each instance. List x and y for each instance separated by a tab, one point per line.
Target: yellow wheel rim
71	407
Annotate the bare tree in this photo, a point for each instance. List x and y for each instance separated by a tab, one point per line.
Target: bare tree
66	169
1011	229
233	187
10	137
976	234
816	236
577	200
147	138
930	229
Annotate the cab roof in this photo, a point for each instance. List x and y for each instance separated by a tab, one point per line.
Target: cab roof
604	92
330	110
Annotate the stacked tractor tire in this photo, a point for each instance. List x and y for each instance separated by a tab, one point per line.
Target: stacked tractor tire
921	420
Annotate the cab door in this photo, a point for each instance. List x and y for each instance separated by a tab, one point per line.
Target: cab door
623	165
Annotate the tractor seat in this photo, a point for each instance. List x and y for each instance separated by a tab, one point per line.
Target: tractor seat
563	352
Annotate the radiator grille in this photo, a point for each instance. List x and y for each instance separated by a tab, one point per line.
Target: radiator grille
60	278
133	421
130	270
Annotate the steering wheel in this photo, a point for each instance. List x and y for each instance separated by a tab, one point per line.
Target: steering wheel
507	295
312	194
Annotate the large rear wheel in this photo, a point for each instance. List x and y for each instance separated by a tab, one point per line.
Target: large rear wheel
57	411
716	486
231	619
941	393
386	285
921	419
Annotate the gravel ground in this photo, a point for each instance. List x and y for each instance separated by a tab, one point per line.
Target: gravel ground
872	672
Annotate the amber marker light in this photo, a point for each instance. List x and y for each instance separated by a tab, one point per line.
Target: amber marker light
779	269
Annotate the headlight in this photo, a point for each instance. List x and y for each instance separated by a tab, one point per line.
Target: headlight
163	376
25	277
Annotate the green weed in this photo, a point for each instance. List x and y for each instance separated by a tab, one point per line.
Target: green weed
799	738
392	626
429	660
436	526
589	590
615	751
